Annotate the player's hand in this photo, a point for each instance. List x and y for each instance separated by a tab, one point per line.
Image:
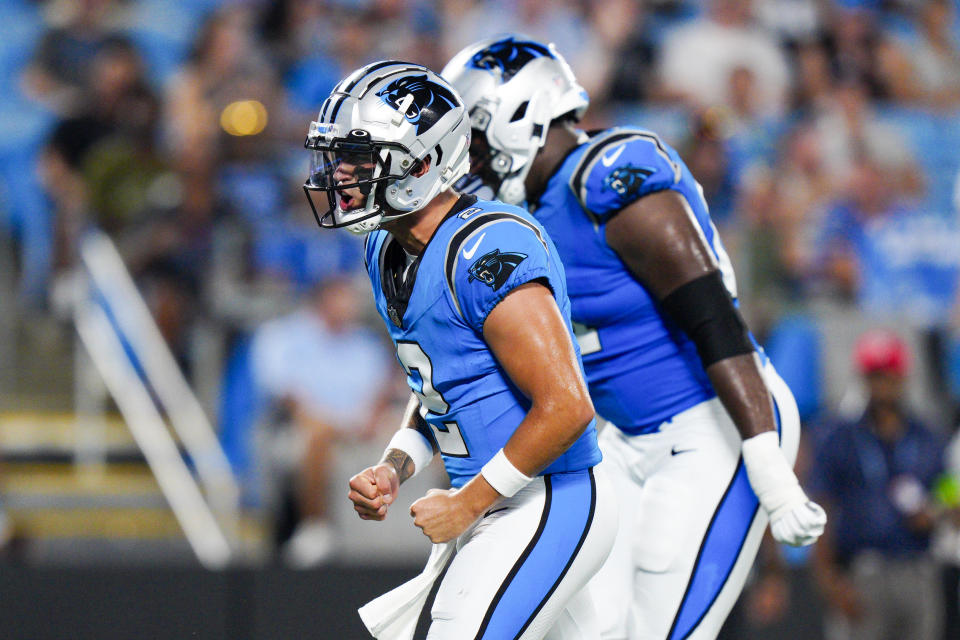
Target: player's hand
442	515
798	524
373	490
794	518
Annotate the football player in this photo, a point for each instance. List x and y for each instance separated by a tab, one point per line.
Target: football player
474	298
705	432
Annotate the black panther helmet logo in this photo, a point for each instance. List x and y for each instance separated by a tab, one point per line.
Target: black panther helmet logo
626	180
509	56
431	100
494	268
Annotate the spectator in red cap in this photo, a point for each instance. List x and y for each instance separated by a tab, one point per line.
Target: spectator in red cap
882	351
874	476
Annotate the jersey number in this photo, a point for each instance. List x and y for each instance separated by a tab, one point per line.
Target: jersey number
413	358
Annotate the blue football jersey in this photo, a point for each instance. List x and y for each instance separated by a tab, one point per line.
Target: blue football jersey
640	367
434	309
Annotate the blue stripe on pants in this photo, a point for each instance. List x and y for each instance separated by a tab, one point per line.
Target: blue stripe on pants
567	513
719	551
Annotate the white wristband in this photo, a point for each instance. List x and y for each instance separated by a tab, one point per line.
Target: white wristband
414	444
503	476
770	474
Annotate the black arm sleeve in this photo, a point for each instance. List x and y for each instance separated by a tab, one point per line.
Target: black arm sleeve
704	310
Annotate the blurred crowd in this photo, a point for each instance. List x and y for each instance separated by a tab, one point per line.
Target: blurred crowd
825	135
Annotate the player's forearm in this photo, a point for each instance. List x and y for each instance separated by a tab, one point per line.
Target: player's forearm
544	434
530	340
549	429
401	461
744	394
404	457
659	241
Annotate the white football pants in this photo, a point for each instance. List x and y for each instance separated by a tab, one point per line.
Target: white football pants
521	570
690	525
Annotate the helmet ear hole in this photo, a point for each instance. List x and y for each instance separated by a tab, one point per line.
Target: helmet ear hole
520	112
420	167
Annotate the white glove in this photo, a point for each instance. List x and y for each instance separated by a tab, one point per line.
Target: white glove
794	518
799	526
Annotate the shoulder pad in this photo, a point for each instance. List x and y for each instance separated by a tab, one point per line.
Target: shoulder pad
488	248
621	166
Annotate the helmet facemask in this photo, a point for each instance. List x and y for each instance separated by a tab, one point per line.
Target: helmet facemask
353	171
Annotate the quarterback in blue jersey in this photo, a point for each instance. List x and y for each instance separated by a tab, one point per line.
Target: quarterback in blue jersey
474	298
705	433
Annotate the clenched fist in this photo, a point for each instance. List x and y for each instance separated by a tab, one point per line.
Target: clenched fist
799	524
441	515
373	490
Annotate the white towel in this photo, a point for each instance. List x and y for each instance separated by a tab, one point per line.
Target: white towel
394	615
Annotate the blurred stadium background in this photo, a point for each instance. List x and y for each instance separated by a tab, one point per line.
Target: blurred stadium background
168	307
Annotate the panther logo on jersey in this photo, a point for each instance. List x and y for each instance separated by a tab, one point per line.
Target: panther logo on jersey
509	56
430	100
494	268
626	180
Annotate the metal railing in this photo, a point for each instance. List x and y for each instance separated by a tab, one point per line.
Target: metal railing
141	374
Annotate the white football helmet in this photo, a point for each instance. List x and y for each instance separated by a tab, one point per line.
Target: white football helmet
513	88
379	125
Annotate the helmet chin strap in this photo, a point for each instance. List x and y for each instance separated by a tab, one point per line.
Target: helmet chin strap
512	190
387	213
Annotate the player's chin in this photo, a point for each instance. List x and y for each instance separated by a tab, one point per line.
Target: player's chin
440	538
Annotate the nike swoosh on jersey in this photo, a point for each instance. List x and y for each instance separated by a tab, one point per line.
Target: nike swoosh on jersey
611	158
675	452
468	253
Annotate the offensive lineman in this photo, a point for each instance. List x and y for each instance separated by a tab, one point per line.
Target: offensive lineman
668	358
474	299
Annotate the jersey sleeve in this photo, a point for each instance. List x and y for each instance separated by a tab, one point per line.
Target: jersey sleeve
622	169
492	260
